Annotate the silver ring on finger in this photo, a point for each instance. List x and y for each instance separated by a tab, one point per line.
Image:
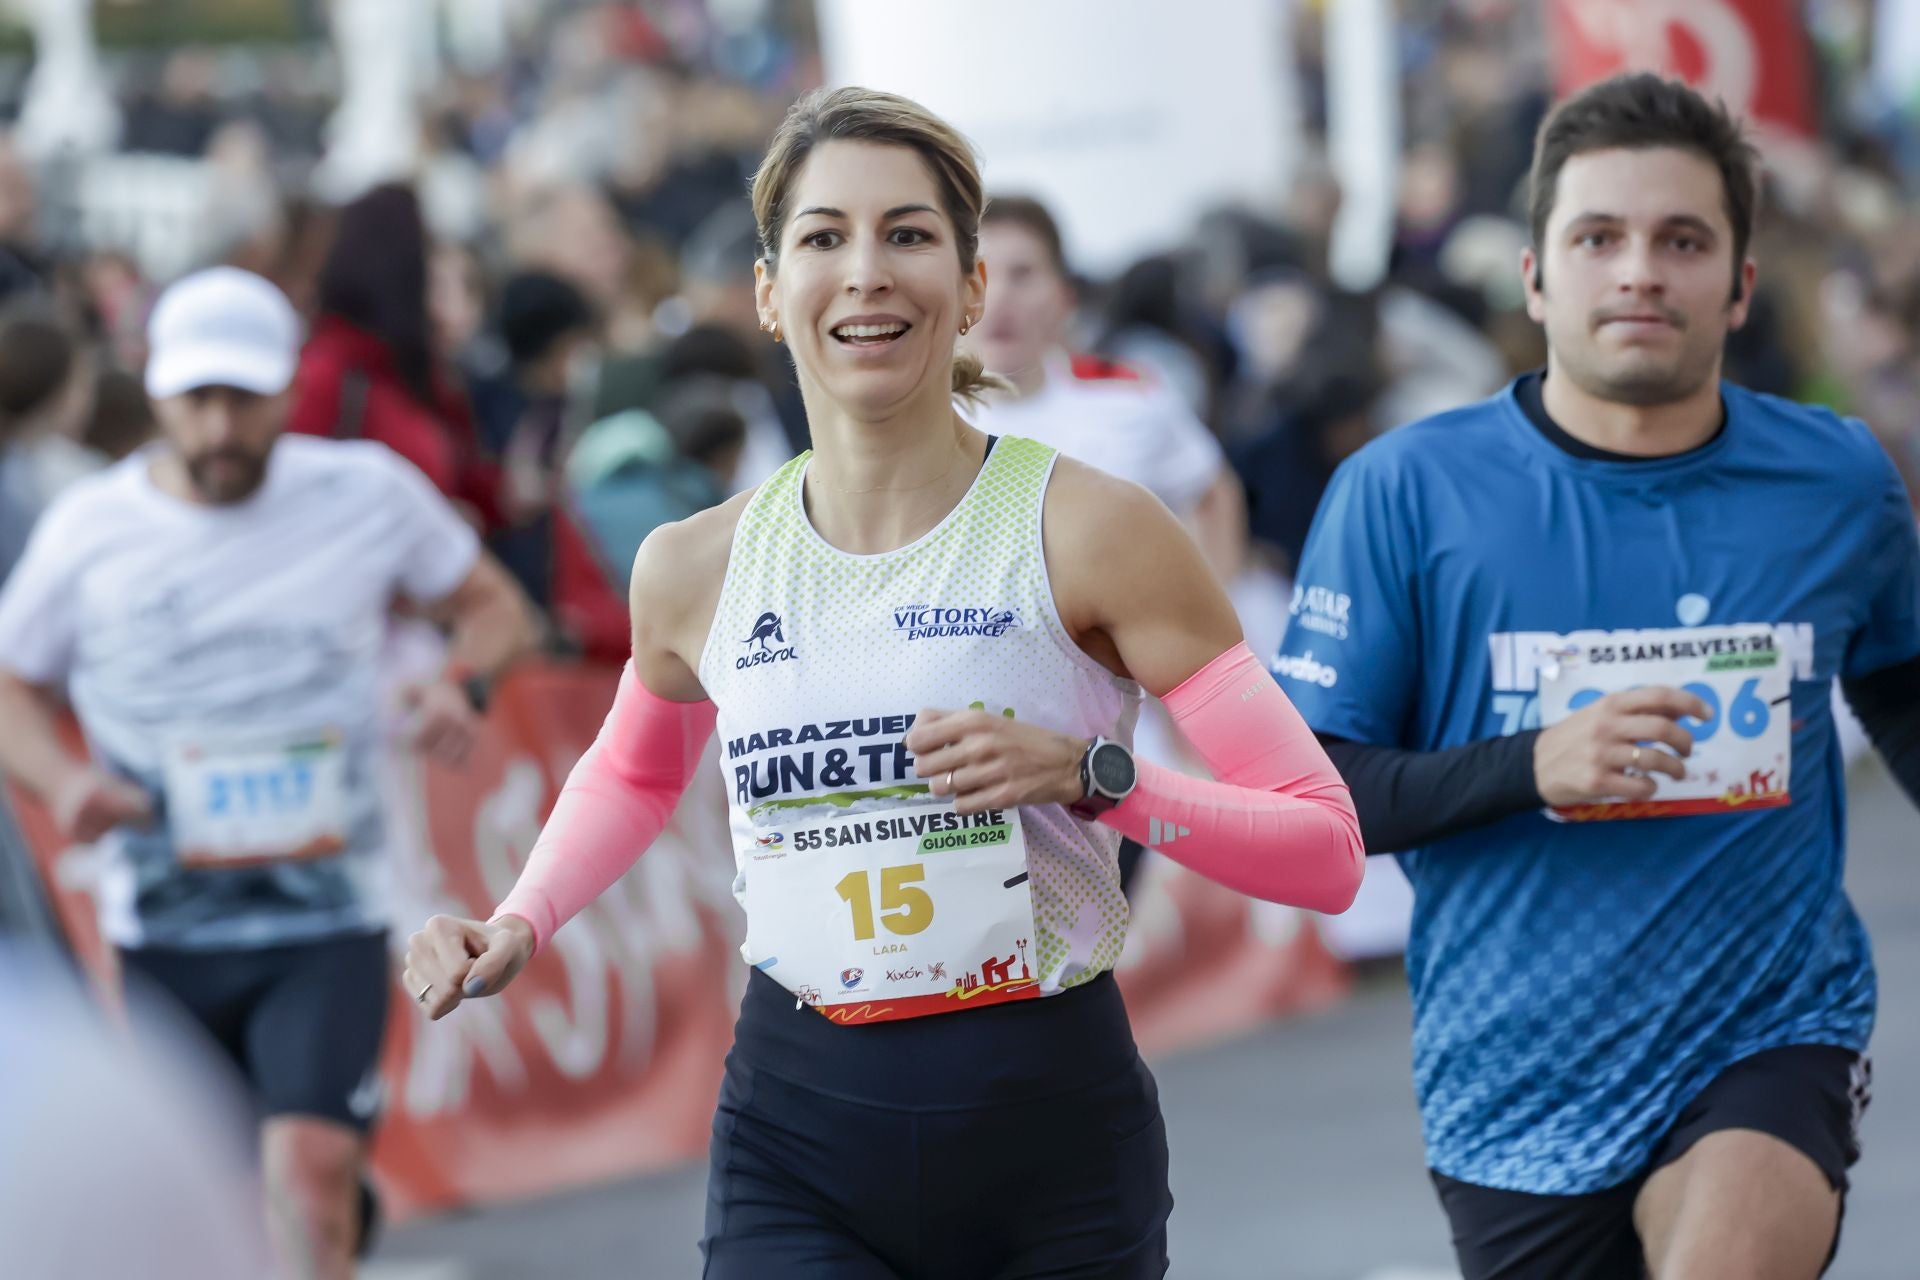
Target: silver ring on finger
949	782
420	996
1635	762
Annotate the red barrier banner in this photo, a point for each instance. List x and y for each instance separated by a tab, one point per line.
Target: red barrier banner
604	1057
1752	54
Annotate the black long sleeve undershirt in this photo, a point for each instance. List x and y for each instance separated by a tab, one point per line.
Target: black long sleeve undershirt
1407	799
1888	704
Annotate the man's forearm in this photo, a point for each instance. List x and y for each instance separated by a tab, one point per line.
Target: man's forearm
31	752
492	623
1406	799
491	635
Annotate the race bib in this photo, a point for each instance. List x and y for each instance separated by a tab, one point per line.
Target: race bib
257	802
896	914
1742	752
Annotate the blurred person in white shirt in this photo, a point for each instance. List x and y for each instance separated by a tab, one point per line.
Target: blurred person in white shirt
1113	416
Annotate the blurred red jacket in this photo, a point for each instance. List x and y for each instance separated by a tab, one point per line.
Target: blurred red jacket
348	388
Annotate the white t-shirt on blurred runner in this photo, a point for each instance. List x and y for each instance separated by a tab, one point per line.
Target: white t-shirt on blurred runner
1118	419
225	658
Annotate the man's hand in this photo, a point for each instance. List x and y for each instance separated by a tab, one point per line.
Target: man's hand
91	802
1606	750
441	722
993	762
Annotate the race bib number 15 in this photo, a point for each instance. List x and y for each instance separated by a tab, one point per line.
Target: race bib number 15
896	913
1742	751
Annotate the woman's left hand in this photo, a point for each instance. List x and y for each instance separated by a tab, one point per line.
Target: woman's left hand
987	761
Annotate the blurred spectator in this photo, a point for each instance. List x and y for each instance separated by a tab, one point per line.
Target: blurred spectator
122	419
716	291
1288	467
370	370
178	115
636	471
457	303
1150	323
711	352
546	331
115	297
23	267
530	374
721	129
46	401
573	231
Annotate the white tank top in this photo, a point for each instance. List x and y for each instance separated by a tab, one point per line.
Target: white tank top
819	659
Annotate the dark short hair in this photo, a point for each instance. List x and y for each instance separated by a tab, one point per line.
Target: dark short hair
1638	112
708	350
700	414
537	310
1032	216
36	354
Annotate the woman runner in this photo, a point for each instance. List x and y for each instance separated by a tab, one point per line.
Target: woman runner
924	649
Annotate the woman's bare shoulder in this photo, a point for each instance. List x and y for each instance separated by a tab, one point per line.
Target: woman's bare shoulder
677	577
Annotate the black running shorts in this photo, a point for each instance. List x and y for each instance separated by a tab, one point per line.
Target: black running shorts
301	1023
1808	1096
1021	1139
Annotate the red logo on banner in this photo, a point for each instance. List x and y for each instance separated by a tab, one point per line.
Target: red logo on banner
1751	54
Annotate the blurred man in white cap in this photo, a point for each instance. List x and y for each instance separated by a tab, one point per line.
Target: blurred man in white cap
213	606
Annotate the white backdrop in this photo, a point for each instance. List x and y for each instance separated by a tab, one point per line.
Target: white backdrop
1128	117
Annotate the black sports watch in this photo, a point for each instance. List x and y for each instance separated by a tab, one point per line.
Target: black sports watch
1107	776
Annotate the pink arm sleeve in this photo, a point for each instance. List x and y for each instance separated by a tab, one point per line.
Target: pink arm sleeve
1278	823
617	801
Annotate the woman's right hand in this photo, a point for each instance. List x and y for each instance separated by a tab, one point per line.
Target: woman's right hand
451	959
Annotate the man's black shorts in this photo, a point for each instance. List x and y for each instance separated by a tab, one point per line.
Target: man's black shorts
1808	1096
302	1023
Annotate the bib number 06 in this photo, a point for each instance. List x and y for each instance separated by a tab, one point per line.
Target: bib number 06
904	908
1747	716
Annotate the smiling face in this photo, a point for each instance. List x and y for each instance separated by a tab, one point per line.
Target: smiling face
867	287
1633	279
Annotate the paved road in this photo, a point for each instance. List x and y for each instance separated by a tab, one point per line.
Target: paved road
1296	1150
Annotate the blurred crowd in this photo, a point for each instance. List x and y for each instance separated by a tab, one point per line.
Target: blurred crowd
553	319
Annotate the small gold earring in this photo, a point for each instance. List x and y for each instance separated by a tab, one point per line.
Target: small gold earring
774	329
966	323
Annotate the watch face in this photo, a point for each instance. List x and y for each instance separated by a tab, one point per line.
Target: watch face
1112	769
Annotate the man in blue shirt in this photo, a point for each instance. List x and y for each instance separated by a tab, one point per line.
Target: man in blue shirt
1573	649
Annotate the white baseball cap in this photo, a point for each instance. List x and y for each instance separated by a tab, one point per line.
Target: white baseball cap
222	327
